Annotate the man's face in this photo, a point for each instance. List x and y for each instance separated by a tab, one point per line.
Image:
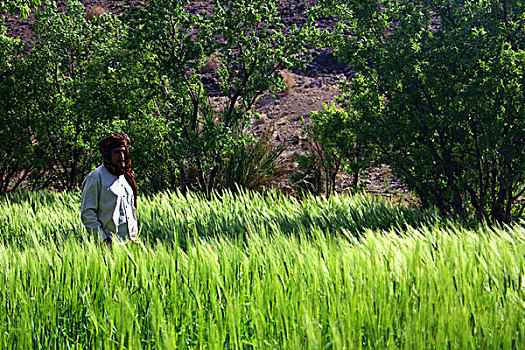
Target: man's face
118	158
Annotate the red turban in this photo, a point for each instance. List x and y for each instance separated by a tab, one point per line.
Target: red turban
111	142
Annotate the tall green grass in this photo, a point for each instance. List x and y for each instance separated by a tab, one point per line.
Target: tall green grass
283	274
44	216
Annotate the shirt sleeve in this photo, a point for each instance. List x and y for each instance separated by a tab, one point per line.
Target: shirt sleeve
89	207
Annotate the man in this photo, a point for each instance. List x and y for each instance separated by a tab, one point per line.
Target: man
109	194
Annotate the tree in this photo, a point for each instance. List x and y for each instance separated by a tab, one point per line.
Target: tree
19	7
15	144
439	90
335	146
72	99
250	45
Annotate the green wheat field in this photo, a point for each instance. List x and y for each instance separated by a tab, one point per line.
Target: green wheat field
258	271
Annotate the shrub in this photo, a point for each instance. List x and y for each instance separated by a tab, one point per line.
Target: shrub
211	64
19	7
78	84
16	146
333	147
72	99
247	43
439	90
308	176
254	164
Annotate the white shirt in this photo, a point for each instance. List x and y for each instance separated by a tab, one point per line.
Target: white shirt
107	206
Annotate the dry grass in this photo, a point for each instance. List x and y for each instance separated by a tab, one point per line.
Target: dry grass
211	65
95	12
289	80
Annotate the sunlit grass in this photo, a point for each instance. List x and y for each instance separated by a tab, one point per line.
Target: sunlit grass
268	273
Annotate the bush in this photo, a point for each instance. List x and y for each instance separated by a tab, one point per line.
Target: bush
243	43
255	164
439	89
72	102
308	176
15	142
20	8
89	75
333	147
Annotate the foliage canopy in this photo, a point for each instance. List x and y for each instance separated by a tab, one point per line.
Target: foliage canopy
142	73
439	90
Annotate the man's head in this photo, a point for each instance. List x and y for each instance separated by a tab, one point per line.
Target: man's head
115	151
118	158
